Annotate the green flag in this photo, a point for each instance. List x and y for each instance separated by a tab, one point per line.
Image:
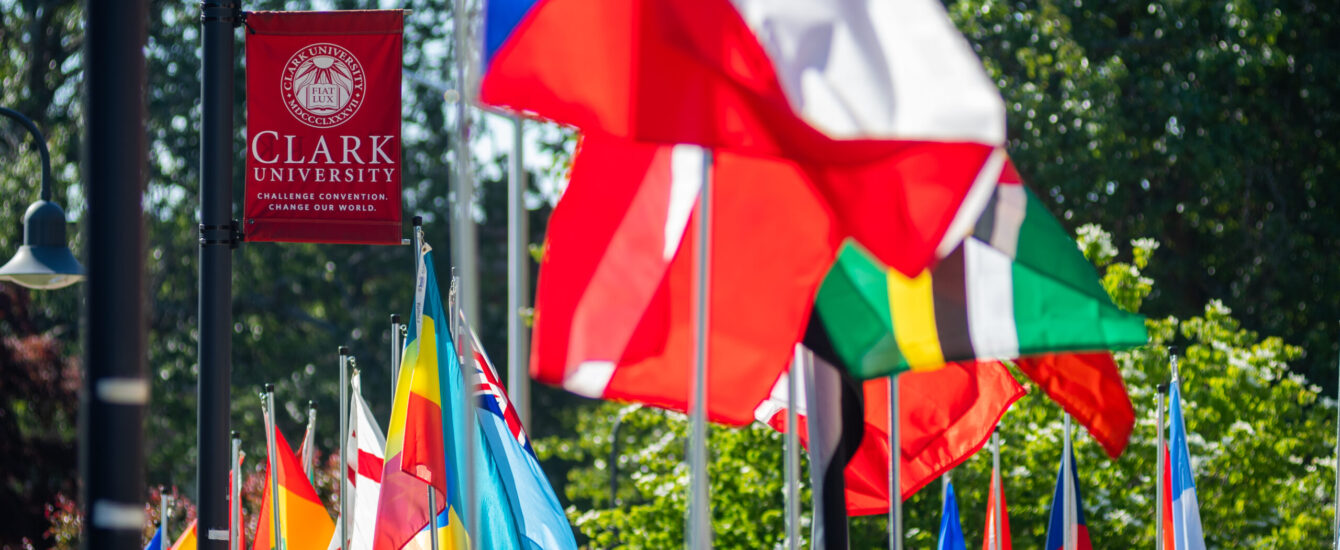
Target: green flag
1017	286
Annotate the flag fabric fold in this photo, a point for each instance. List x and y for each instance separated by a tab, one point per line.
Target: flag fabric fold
1089	387
512	468
951	529
833	428
302	517
1056	525
425	440
613	315
1187	533
889	87
945	417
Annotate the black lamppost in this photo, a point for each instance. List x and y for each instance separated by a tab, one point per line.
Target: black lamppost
44	261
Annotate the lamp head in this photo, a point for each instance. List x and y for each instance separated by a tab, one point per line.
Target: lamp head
44	261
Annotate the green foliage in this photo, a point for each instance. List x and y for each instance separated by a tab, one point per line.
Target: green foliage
1259	437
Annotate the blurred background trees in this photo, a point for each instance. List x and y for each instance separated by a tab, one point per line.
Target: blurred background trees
1206	124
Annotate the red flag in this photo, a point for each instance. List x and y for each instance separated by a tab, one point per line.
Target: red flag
945	416
1089	387
613	309
997	488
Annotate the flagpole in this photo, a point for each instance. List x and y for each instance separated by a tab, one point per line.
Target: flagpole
1159	464
1068	491
793	451
270	427
235	495
397	347
468	405
998	487
700	523
895	467
345	361
518	277
309	442
432	519
163	512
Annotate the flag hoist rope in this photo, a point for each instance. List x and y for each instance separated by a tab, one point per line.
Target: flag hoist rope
700	520
793	450
269	401
895	470
397	347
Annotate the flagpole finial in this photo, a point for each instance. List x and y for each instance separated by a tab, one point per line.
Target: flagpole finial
344	350
1173	351
311	405
418	221
269	388
395	318
237	435
1163	388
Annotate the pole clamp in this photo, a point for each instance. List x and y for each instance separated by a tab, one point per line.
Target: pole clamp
229	11
230	234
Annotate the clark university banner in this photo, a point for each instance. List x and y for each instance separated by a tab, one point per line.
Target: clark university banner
323	126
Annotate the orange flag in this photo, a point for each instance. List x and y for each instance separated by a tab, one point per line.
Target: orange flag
998	488
187	539
303	519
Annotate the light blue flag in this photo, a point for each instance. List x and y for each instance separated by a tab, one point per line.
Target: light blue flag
951	533
515	472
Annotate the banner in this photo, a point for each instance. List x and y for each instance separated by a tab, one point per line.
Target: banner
323	127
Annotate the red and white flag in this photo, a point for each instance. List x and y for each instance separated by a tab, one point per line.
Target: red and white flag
367	458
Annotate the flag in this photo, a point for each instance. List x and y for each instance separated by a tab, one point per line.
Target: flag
945	416
426	439
1089	387
156	543
1017	287
1187	532
1166	508
187	539
302	517
365	464
613	314
951	531
513	469
835	403
883	84
1056	526
997	490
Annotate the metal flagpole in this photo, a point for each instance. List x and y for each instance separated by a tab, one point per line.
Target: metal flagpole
1068	490
309	442
895	470
1158	477
163	511
270	427
793	451
998	488
397	347
432	518
700	521
468	405
518	277
235	496
345	361
466	250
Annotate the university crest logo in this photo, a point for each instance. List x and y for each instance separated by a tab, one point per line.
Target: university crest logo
323	85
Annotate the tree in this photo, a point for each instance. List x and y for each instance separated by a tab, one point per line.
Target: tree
1263	467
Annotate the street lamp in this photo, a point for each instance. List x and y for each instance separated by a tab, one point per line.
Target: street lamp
44	261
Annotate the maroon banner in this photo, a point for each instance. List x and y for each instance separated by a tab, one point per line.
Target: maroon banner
323	127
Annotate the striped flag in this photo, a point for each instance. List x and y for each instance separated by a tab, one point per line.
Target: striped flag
425	443
1057	530
1017	286
1187	534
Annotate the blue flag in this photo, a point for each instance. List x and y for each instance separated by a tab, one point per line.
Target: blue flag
951	532
156	543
